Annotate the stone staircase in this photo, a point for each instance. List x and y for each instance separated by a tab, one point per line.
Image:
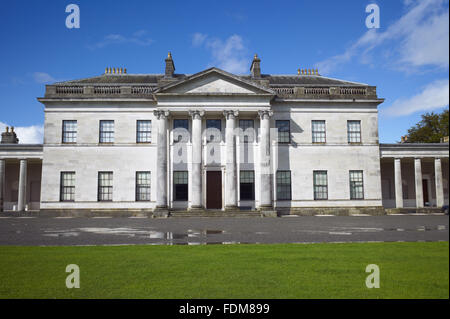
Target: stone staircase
214	213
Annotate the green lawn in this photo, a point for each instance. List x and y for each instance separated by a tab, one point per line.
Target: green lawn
407	270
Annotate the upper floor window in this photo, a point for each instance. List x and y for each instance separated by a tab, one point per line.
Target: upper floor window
320	185
67	190
247	130
106	131
213	130
144	131
354	131
318	131
284	131
356	185
178	125
69	132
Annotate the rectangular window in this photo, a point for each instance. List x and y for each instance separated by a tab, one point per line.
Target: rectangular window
69	132
67	191
247	185
105	186
247	131
354	131
180	185
284	131
143	186
179	124
356	185
214	129
143	131
318	131
106	131
283	185
320	185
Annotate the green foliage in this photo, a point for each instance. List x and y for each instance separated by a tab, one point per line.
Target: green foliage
407	270
430	129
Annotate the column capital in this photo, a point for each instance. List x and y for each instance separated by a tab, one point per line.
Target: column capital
196	114
161	114
230	114
265	114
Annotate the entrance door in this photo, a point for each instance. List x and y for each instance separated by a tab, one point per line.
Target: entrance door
214	190
425	190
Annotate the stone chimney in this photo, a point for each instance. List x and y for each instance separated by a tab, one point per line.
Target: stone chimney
9	137
170	66
255	68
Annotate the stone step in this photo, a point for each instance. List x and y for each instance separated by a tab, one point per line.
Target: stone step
214	214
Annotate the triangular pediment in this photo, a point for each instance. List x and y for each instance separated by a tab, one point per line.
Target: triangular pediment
213	81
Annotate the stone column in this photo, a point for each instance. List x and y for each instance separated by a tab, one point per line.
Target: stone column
2	183
439	184
231	176
419	185
398	183
196	174
161	173
265	169
21	201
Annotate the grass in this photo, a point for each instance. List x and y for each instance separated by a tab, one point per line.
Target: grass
407	270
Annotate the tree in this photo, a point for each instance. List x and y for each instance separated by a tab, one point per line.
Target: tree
430	129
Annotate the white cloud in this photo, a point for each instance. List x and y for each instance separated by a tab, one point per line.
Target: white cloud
435	95
42	77
138	38
230	54
419	38
33	134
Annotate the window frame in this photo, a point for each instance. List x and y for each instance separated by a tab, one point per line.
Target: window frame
174	127
252	196
315	186
100	132
246	138
353	188
138	131
101	187
175	186
354	132
63	141
313	132
279	141
281	184
62	187
139	186
208	140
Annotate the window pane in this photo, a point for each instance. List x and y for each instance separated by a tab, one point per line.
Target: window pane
284	131
247	185
180	124
106	131
320	185
105	186
144	131
214	128
247	130
69	132
180	184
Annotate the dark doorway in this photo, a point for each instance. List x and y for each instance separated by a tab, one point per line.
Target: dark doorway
425	191
214	190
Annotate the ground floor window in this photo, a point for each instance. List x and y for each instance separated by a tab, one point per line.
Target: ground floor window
67	192
105	186
143	186
284	185
180	185
320	185
356	185
247	185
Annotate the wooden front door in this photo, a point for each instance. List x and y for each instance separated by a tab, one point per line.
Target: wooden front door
214	190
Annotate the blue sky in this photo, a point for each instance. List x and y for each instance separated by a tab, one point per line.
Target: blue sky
406	58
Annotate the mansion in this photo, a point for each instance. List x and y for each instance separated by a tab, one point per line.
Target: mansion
162	143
